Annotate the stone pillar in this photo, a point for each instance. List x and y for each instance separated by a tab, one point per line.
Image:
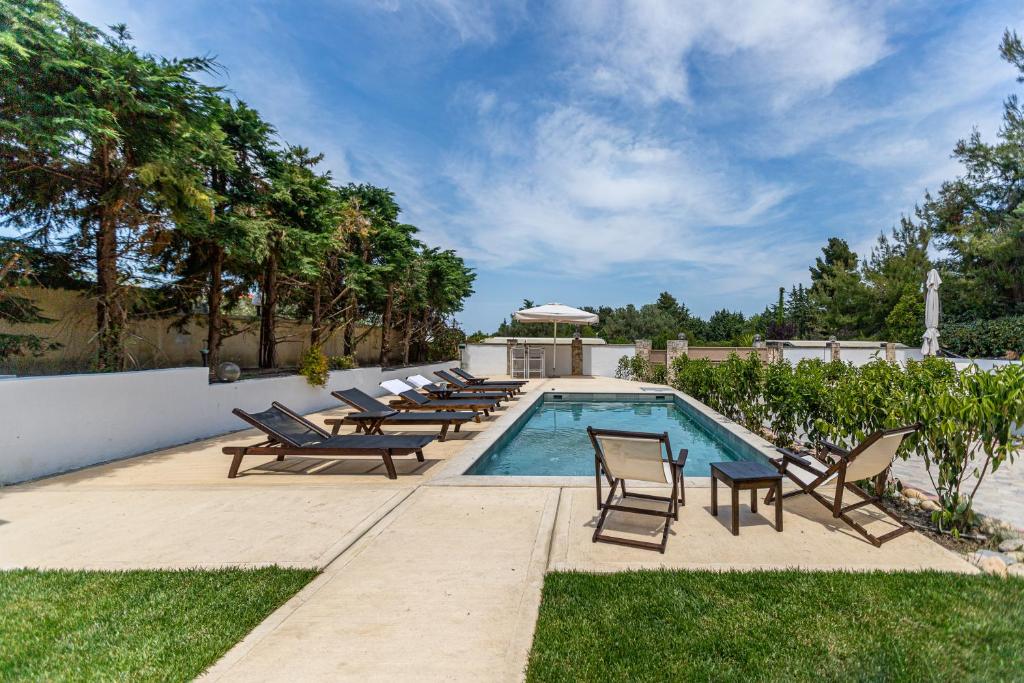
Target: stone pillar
775	353
833	345
643	348
890	352
674	348
577	357
509	343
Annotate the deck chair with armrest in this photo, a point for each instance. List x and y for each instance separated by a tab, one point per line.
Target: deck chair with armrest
636	456
373	415
843	468
509	389
436	391
288	433
484	381
410	399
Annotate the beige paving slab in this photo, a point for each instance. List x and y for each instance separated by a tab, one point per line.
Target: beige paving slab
811	539
446	588
178	528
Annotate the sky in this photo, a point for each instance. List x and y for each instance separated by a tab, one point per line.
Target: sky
598	153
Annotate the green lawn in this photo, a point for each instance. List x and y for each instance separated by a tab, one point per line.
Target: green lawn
778	626
134	625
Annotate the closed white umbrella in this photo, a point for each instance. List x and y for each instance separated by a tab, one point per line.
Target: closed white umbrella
931	314
555	313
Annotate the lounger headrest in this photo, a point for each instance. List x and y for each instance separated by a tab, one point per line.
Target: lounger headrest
418	381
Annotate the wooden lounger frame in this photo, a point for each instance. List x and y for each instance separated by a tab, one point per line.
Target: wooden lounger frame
280	445
838	468
605	505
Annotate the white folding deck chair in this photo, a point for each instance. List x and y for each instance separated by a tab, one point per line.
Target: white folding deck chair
519	365
535	362
637	456
871	459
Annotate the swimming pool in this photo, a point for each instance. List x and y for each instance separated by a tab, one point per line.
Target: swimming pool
551	438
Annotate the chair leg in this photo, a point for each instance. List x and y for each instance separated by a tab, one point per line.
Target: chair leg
389	465
236	461
444	431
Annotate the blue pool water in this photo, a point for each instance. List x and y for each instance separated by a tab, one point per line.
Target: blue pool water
553	440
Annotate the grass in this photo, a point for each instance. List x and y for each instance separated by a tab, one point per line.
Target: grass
778	626
133	625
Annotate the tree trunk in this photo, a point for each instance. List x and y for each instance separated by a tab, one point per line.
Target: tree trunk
350	326
385	326
110	315
213	303
268	342
408	336
317	318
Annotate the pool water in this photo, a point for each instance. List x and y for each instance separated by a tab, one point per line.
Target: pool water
553	440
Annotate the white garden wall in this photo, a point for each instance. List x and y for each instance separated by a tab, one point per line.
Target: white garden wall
601	361
485	359
65	422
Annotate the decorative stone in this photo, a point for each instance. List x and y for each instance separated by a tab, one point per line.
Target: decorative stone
1017	555
228	372
1016	570
914	493
929	505
1012	545
913	502
1004	558
992	565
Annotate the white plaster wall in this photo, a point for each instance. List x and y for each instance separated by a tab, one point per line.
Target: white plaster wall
601	361
59	423
485	359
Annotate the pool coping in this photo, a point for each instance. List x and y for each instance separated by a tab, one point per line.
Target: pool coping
453	472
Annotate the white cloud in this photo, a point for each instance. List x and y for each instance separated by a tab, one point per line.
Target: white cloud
585	194
642	49
471	20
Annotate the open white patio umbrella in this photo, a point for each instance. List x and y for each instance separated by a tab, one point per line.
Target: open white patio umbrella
931	314
555	313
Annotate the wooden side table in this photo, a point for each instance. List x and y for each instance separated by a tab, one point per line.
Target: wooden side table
744	476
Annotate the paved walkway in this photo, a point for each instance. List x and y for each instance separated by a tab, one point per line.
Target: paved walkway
424	579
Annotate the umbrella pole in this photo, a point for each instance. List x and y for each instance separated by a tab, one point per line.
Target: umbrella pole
554	349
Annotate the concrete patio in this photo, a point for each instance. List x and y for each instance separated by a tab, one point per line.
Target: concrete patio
423	578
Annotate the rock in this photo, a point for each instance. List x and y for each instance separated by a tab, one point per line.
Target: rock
913	502
1018	555
1012	545
1016	570
980	555
992	565
929	505
914	493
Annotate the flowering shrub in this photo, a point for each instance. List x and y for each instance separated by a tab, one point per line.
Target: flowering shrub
313	366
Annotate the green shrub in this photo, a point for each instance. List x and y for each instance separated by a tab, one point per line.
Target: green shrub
985	338
639	369
313	366
342	362
968	419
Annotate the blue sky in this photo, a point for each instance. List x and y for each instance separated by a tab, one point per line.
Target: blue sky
599	153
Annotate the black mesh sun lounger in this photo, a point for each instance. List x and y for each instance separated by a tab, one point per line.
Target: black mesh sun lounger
288	433
483	381
414	400
374	414
508	389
